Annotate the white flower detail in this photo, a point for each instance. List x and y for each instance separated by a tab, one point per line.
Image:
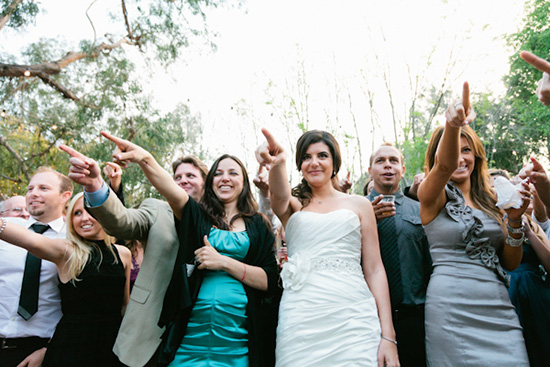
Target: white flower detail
295	272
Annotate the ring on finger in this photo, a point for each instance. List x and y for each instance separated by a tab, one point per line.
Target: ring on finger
457	104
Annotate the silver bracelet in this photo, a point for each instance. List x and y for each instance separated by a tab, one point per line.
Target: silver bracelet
518	230
515	242
388	339
3	224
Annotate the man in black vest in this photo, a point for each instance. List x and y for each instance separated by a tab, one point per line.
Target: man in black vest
404	250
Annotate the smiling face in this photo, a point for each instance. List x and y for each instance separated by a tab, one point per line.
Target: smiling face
189	178
228	181
45	201
466	163
317	166
386	169
84	224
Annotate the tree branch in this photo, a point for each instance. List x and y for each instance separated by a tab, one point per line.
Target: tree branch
24	168
128	29
55	67
16	180
8	12
55	85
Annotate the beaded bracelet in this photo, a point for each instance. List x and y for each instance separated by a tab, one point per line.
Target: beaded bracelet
513	230
3	224
515	242
388	339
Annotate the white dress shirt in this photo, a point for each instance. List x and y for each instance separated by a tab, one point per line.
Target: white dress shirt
12	266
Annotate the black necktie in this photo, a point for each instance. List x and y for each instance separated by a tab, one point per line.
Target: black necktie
389	250
28	300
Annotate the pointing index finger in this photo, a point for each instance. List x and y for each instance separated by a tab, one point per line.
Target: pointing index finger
270	139
120	143
536	61
72	152
466	97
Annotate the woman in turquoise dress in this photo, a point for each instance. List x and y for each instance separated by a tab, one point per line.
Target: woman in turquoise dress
218	308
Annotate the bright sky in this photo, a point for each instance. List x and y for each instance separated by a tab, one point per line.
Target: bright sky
339	48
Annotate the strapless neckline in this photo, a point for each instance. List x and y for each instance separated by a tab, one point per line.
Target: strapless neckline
331	212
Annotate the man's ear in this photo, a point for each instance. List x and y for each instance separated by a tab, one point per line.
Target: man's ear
66	197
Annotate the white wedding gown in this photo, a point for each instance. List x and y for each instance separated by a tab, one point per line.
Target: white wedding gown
327	316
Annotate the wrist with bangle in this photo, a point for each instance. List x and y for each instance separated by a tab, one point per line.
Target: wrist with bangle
388	339
511	241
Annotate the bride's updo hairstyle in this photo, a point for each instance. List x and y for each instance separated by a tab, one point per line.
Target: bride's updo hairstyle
302	191
481	192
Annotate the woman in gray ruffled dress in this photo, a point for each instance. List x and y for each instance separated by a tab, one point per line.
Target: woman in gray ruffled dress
470	320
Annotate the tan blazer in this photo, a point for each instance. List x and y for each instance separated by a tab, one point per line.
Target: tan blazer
139	334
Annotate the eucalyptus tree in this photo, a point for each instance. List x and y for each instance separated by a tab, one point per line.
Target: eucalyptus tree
55	91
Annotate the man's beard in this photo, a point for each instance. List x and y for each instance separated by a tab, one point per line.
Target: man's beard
36	212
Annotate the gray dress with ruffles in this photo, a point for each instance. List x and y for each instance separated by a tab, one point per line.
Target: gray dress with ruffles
470	320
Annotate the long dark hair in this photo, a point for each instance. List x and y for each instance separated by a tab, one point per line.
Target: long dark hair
213	206
302	191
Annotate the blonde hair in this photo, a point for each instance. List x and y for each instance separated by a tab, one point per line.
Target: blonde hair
82	248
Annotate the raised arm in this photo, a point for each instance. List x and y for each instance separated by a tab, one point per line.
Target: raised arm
54	250
543	88
157	176
272	155
540	243
540	180
431	192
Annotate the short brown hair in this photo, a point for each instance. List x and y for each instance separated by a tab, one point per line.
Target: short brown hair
65	184
386	145
195	161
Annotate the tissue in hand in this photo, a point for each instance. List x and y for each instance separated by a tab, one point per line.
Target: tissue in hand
508	195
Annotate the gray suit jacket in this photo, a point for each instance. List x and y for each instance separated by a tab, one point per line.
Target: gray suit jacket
139	334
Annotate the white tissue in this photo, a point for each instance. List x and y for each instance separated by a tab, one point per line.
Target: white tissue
508	195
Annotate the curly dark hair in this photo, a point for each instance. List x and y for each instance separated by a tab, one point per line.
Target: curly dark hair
302	191
213	206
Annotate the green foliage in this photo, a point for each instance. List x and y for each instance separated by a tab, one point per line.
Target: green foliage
527	118
501	134
20	16
109	95
414	151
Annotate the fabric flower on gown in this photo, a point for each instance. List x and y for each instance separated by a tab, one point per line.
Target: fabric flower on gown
295	272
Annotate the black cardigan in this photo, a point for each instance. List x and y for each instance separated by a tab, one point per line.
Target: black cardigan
183	290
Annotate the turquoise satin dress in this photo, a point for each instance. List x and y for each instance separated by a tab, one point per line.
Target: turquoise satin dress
217	332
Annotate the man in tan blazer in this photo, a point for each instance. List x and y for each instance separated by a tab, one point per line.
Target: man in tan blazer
152	223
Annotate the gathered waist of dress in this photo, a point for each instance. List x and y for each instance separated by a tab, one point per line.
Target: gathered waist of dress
338	265
467	269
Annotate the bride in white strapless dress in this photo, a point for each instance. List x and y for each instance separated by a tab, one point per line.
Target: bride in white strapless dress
328	315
